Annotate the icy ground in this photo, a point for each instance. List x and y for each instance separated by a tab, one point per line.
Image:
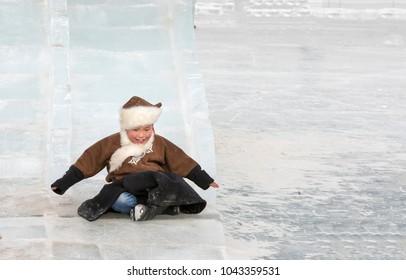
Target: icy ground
66	67
307	104
309	118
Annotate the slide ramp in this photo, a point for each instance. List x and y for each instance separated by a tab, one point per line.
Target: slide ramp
66	67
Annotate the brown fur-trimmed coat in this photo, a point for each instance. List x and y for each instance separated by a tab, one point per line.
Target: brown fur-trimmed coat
164	156
155	169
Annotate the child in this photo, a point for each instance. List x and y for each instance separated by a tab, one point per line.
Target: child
145	170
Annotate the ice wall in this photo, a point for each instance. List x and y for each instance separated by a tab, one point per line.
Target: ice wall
24	88
67	66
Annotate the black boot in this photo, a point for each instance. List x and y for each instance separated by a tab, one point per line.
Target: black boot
91	210
94	208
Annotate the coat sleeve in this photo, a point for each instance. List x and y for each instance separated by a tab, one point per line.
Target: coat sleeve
71	177
97	157
200	177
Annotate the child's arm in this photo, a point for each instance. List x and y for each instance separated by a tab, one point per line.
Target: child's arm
178	162
91	162
201	178
71	177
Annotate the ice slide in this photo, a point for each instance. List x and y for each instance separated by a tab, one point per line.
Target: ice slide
66	67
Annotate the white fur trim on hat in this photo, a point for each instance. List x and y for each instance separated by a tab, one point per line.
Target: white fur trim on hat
138	115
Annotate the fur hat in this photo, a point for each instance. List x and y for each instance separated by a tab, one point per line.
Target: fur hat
138	111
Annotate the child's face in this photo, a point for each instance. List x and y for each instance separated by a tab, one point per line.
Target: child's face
140	134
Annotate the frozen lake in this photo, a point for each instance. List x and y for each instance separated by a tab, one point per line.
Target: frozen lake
309	122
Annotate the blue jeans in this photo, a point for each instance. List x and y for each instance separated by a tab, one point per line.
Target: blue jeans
124	203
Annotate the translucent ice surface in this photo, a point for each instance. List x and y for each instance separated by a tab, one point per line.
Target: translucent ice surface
66	67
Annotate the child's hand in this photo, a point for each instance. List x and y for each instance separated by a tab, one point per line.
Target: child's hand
56	190
214	185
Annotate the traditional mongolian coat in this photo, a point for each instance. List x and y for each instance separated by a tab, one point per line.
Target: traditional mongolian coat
153	171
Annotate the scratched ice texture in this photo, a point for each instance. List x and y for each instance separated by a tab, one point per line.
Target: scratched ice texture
308	105
304	99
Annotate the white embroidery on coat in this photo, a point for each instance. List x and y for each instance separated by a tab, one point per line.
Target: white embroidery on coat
128	149
136	159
